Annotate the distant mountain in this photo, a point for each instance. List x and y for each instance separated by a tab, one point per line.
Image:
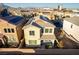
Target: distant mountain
4	6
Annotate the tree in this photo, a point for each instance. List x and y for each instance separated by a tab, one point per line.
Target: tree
4	13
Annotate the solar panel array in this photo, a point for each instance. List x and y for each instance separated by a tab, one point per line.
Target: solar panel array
44	18
15	20
35	24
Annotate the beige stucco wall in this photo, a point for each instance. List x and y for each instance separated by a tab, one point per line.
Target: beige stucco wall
35	37
4	24
53	35
49	33
74	31
67	26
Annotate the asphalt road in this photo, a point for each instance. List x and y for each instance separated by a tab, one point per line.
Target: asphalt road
44	52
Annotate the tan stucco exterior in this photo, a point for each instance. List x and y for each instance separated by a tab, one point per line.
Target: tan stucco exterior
17	35
35	37
71	31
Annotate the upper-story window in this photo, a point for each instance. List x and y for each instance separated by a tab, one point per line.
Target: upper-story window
48	30
8	30
32	33
12	30
71	26
5	30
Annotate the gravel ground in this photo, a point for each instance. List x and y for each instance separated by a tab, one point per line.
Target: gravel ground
69	44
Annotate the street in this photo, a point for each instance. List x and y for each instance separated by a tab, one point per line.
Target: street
39	52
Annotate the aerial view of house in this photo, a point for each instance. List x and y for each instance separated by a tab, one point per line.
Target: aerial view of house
39	30
11	28
32	33
71	27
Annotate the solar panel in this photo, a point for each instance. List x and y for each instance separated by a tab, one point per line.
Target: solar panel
16	19
44	18
35	24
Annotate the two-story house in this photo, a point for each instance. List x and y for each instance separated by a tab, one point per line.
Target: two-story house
11	27
71	27
38	30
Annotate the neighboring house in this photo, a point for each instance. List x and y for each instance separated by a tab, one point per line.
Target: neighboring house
38	31
71	27
11	27
48	29
15	11
47	13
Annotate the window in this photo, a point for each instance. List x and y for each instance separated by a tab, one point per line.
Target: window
46	30
5	30
71	25
11	38
32	33
32	42
12	30
50	30
9	30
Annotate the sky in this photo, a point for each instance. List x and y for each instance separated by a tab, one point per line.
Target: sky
50	5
